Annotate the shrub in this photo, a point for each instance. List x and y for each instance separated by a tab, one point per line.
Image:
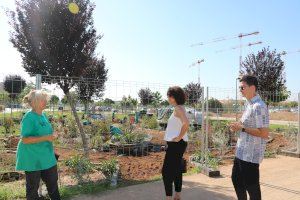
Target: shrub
150	122
8	125
221	136
96	141
100	128
80	166
206	159
108	168
72	128
215	105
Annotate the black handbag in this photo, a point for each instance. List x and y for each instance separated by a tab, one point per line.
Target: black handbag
183	166
56	156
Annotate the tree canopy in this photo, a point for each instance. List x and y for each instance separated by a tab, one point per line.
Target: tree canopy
268	67
14	85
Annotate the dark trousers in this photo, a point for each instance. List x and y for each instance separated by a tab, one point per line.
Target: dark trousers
245	178
172	167
49	177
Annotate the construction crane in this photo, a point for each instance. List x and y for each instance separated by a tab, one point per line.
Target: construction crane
237	47
289	52
197	63
220	39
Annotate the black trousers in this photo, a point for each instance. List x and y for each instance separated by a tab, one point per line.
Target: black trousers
245	178
49	177
171	171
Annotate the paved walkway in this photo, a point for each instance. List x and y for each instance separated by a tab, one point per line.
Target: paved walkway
280	180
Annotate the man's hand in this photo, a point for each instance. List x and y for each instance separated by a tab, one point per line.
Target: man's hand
177	139
235	126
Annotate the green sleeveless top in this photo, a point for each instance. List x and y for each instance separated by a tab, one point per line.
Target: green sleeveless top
38	156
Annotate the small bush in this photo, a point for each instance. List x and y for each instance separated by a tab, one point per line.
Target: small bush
150	122
206	159
96	141
8	125
80	166
72	128
108	168
221	136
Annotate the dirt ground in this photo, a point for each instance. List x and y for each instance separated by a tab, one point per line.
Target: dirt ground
282	116
135	167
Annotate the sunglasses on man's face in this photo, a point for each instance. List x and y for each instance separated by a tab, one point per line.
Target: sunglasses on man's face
242	88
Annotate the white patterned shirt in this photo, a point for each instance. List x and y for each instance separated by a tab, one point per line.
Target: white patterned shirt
251	148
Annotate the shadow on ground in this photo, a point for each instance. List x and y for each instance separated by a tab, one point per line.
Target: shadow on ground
155	191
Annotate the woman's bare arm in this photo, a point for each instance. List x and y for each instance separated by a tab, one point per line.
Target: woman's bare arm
181	114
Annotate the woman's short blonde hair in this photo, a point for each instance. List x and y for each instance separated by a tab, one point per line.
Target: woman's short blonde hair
34	97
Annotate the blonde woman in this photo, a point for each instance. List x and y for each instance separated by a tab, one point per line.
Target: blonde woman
35	153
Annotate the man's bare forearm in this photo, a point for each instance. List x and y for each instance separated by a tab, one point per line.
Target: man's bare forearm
263	132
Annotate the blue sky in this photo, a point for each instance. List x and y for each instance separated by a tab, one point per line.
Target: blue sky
149	41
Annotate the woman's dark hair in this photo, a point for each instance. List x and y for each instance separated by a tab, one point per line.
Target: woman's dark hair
250	80
178	94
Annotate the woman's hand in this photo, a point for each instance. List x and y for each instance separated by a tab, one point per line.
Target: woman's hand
176	139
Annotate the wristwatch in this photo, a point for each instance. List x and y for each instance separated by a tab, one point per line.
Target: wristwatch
243	129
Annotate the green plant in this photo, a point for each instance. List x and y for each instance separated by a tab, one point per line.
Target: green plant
270	154
290	133
96	141
80	166
150	122
72	127
8	125
108	167
100	128
220	136
206	159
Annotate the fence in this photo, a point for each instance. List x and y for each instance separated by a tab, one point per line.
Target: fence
140	111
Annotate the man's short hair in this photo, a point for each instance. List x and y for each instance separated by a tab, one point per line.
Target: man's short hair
250	80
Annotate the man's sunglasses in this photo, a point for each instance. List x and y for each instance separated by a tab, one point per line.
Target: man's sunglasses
242	88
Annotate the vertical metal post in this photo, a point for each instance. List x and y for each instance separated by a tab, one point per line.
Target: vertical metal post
298	137
236	99
38	86
206	113
38	81
203	121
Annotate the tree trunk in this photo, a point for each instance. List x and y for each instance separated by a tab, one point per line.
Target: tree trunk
83	136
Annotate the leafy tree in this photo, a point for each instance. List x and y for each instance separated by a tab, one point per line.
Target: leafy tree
73	96
14	85
215	105
157	98
193	92
164	103
30	86
108	102
53	41
268	67
64	100
146	96
128	102
98	74
54	101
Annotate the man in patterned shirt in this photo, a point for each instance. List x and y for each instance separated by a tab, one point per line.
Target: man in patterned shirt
251	145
